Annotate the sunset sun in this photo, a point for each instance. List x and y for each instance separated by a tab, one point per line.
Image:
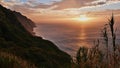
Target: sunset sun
83	18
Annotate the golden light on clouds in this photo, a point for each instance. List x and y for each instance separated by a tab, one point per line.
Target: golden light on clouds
48	11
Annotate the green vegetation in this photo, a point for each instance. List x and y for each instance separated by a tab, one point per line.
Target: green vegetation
15	40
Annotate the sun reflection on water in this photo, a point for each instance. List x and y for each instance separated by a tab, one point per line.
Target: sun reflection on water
82	38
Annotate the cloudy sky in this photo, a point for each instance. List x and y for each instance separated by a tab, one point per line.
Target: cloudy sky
63	10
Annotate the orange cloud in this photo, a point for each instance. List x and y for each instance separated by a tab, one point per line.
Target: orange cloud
64	9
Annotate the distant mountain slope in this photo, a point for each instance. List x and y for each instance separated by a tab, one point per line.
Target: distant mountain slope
27	23
15	39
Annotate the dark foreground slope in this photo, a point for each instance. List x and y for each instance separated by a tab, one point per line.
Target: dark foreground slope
15	39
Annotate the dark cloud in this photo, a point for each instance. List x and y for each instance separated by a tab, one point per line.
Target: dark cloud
98	3
101	3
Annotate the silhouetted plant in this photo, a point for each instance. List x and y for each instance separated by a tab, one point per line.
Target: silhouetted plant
95	55
113	34
89	58
96	58
82	56
105	37
111	24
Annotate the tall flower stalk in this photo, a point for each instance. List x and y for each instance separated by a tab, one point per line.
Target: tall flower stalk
111	25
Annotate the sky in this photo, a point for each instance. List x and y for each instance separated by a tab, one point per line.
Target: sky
41	11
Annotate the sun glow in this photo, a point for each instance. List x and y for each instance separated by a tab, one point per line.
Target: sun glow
83	18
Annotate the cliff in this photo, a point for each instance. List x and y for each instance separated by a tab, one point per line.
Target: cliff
16	38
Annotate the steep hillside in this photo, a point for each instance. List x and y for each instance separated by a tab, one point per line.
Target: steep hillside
27	23
15	39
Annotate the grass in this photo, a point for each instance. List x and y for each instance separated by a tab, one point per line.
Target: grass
8	60
100	58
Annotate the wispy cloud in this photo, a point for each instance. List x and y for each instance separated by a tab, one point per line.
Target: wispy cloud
61	8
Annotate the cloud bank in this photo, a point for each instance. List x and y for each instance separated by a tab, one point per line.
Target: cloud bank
61	8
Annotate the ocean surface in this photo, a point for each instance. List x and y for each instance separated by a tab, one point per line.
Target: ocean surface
70	37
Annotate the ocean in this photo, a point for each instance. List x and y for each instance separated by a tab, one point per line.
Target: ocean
70	37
